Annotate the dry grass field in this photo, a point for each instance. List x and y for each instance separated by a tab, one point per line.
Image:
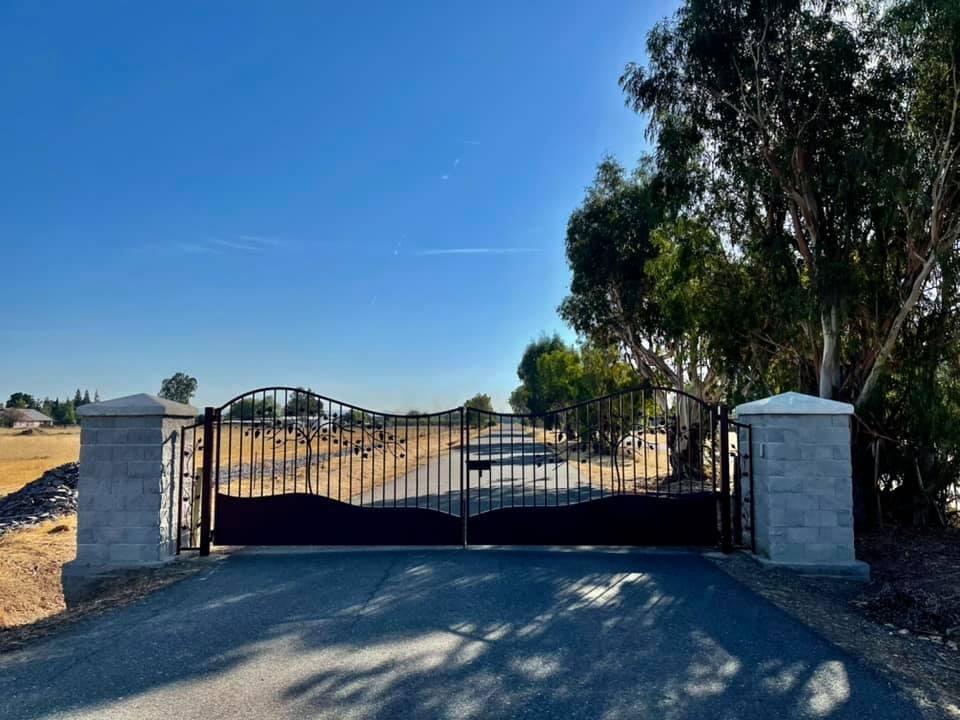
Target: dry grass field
641	464
25	457
31	559
30	565
338	464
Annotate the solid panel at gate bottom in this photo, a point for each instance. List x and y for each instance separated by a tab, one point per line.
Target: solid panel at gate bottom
306	519
613	520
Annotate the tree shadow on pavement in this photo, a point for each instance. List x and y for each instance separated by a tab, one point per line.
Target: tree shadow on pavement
448	634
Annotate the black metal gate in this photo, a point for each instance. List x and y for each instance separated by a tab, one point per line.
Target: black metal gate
284	466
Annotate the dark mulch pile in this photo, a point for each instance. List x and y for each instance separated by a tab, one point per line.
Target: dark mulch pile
915	579
53	495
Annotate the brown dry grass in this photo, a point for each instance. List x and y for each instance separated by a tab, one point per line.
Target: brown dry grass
24	458
30	564
31	559
643	467
345	459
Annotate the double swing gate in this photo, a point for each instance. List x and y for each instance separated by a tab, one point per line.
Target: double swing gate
284	466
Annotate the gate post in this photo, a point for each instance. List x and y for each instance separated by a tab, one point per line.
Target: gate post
725	519
206	481
802	484
130	450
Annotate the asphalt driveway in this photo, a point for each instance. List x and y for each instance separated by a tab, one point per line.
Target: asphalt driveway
445	634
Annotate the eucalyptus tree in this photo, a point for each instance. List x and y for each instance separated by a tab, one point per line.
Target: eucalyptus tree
821	139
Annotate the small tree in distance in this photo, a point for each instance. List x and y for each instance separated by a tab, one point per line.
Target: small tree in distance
22	400
180	388
480	401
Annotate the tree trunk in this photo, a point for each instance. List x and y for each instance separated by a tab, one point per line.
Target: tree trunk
830	364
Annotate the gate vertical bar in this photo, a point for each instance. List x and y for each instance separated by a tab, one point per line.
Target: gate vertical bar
183	445
206	484
464	480
737	491
753	511
725	524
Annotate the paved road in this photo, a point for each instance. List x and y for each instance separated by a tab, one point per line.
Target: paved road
523	472
445	634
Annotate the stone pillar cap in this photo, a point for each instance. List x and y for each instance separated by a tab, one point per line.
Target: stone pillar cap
794	403
138	405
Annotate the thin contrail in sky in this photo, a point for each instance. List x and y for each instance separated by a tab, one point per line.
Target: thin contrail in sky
478	251
235	245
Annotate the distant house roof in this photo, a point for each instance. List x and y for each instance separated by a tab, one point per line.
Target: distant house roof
26	415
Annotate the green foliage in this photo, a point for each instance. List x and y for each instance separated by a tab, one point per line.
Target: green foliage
558	378
817	138
180	388
806	225
529	397
64	413
608	245
566	375
254	408
480	401
303	403
520	400
22	400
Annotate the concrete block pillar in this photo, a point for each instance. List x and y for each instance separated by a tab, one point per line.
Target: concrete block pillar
127	494
803	483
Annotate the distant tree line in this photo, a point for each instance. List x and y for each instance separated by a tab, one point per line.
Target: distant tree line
62	412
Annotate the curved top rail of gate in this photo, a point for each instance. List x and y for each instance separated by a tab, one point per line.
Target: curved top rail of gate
328	400
618	393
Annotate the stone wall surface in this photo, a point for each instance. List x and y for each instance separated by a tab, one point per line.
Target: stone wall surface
129	457
802	483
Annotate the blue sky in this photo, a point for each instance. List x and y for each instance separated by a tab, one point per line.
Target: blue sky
367	199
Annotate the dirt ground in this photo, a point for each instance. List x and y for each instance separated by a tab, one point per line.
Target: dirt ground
111	593
31	559
916	580
30	564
